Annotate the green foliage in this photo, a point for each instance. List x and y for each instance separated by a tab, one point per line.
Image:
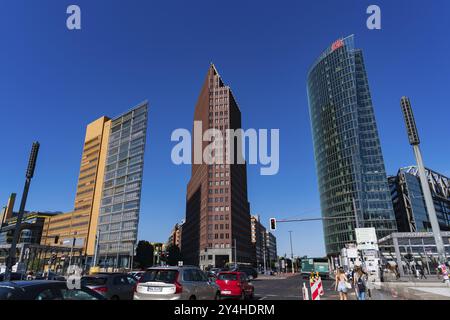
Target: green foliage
173	255
144	255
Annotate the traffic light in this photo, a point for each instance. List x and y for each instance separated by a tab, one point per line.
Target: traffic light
9	236
56	239
273	224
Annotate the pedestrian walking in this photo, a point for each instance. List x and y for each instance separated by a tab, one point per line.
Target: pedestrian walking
30	275
444	271
422	274
397	273
341	284
360	283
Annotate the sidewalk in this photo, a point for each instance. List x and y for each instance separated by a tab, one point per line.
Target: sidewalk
414	289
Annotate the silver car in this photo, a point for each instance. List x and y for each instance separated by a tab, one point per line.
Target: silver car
176	283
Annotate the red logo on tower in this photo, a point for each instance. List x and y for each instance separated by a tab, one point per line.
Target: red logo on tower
337	44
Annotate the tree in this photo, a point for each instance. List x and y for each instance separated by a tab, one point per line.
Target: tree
144	254
173	255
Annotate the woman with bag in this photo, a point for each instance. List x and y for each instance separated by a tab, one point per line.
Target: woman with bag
342	284
360	283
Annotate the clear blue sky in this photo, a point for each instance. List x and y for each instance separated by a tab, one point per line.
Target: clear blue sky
53	82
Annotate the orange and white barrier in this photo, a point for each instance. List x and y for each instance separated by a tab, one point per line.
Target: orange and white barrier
315	290
305	292
321	292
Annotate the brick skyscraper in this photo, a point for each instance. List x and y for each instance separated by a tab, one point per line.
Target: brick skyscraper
217	208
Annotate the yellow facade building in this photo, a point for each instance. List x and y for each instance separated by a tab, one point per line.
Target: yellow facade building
81	223
107	202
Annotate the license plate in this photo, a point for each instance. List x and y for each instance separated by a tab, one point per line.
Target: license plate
226	292
154	289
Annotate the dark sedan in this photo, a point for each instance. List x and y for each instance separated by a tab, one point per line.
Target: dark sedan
113	286
13	276
45	290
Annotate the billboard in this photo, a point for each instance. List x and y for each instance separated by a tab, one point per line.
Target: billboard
366	235
366	239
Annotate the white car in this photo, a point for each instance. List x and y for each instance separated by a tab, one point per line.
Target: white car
176	283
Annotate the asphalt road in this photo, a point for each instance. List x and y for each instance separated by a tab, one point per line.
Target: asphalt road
290	289
278	289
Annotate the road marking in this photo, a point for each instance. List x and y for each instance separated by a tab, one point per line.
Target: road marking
274	295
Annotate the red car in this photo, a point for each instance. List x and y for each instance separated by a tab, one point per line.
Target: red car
235	285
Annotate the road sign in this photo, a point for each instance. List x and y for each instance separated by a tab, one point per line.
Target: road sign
365	235
69	241
352	253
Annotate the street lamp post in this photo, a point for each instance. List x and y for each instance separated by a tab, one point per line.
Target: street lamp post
264	253
292	252
29	175
97	239
414	141
235	253
71	248
132	256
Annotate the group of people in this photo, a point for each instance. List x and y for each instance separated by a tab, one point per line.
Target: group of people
343	283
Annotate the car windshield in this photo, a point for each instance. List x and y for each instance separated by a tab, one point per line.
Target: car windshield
166	276
227	276
93	281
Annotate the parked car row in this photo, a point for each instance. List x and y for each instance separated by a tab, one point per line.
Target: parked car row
249	271
15	276
191	283
159	283
45	290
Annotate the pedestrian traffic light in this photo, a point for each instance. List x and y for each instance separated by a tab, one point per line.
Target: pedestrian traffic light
273	224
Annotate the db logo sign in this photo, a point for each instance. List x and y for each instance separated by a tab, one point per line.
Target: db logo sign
74	277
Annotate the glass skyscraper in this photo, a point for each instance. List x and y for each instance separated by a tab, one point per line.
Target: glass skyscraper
120	201
349	161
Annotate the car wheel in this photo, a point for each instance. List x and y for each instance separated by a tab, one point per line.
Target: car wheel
115	298
192	298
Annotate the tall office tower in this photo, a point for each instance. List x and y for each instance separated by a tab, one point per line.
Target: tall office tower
81	223
258	233
409	204
217	209
349	161
120	201
108	190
